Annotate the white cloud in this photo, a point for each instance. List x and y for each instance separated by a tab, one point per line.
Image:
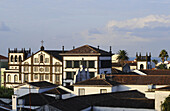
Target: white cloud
134	33
151	21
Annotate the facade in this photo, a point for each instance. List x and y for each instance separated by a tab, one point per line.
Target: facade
44	65
143	62
95	60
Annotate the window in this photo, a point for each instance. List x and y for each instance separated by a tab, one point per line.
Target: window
69	75
46	60
15	58
41	59
15	78
57	67
9	78
47	76
81	91
84	63
36	60
76	64
91	74
11	58
47	69
69	64
35	76
106	64
26	67
41	77
91	64
25	77
103	91
20	59
35	69
57	77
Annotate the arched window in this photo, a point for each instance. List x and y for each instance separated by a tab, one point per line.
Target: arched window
20	58
15	78
141	66
57	67
41	58
9	78
15	58
11	58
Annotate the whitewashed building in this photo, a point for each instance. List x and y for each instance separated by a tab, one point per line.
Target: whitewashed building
97	61
44	65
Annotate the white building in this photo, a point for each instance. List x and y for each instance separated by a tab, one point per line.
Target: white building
44	65
97	61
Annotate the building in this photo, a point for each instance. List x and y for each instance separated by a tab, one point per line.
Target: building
44	65
95	60
56	66
143	62
3	67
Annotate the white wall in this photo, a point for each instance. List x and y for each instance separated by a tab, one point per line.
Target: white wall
92	89
159	98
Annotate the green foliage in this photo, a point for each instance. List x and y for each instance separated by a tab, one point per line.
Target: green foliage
122	56
163	54
162	66
6	92
155	61
166	104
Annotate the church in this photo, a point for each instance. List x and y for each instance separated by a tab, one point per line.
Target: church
55	66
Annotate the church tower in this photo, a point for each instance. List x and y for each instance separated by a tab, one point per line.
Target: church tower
143	62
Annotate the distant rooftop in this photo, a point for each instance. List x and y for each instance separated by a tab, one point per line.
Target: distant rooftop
3	57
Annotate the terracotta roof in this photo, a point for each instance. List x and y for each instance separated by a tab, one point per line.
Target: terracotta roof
167	88
125	99
87	49
56	91
3	57
118	72
94	82
156	72
139	79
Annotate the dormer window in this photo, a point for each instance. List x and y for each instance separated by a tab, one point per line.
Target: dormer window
41	58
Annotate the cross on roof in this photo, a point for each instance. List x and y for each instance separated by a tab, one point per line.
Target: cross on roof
42	42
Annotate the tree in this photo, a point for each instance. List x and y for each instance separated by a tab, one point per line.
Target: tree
163	54
166	104
122	56
162	66
155	61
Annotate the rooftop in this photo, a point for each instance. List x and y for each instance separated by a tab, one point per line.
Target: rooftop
87	49
42	84
56	91
167	88
126	99
156	72
3	57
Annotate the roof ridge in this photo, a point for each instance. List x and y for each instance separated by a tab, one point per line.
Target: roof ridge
92	48
107	82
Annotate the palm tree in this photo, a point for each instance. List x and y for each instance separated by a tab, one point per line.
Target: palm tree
163	54
122	56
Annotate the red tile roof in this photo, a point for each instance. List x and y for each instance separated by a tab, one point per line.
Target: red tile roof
139	79
88	49
156	72
3	57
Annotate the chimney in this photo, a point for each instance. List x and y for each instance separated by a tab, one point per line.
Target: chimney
14	102
73	47
63	49
98	48
110	49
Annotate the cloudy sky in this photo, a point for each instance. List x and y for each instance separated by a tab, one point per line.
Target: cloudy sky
132	25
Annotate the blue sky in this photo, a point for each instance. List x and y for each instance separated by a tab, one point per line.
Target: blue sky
132	25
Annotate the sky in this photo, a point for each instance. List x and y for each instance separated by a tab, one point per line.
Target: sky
131	25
